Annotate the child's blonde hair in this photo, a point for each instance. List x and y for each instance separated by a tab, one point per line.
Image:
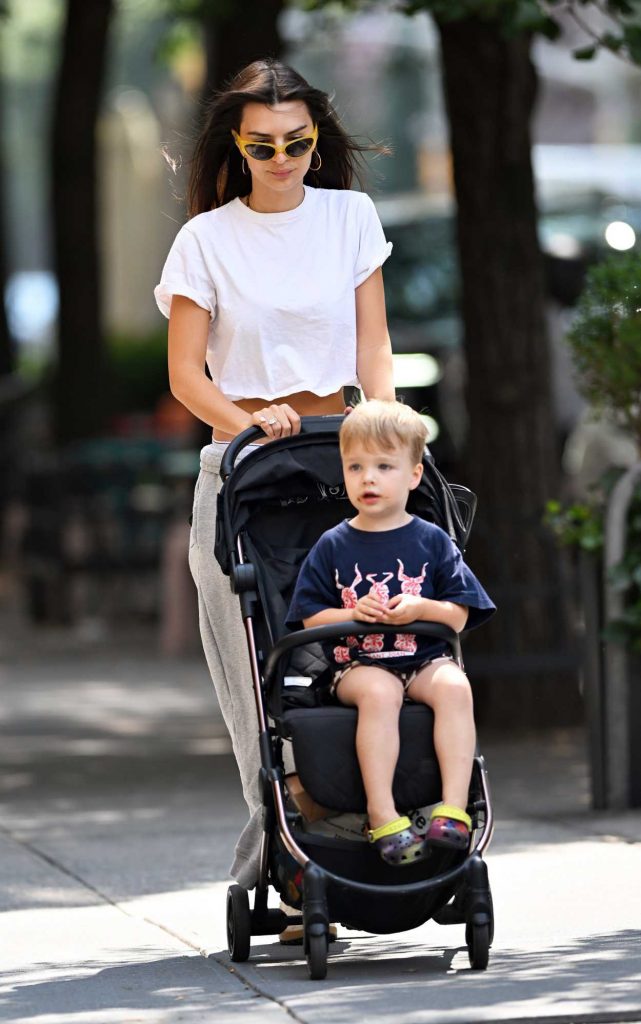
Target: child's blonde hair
384	425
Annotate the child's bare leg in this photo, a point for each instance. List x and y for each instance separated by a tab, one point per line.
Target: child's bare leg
378	696
445	688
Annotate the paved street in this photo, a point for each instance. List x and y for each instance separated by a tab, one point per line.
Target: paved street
119	806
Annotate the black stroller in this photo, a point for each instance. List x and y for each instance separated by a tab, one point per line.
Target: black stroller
272	507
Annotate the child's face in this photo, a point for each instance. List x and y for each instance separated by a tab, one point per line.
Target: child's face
378	480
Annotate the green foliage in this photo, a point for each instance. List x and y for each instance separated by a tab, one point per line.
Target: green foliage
197	10
578	525
586	52
185	24
29	32
137	372
182	35
345	5
581	525
513	17
135	375
625	42
605	340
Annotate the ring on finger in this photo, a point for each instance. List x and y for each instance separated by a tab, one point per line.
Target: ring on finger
270	423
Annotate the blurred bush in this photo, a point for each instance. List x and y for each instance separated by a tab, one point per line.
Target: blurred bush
605	341
137	369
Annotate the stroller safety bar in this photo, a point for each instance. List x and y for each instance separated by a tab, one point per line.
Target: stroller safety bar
334	631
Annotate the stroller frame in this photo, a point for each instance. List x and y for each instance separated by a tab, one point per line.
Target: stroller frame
467	896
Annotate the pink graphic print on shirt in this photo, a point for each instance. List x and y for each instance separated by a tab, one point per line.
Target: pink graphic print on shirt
349	599
406	642
373	644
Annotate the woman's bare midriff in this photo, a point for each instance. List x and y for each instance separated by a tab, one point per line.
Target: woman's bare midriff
305	403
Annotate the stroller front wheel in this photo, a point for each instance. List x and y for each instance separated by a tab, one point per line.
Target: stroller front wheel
238	924
477	939
316	953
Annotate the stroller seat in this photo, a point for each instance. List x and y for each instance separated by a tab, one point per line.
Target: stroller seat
323	740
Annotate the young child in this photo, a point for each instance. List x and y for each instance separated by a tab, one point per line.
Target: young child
388	566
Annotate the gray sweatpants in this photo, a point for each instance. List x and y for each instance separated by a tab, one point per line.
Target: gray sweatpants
224	642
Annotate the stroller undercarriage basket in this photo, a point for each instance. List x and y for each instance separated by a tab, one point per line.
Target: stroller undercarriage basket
272	508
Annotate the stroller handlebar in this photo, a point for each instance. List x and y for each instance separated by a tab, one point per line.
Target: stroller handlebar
308	425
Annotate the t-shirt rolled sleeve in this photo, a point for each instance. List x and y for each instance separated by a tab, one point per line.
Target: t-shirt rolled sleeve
373	248
185	273
455	581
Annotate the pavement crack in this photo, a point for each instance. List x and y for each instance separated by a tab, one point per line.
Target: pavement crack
256	988
52	862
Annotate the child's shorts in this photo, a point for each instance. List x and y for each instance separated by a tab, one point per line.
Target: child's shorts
406	676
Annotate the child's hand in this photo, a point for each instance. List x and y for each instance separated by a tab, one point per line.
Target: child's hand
404	608
369	609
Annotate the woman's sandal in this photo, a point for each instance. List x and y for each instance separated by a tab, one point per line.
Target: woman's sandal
449	828
397	843
292	935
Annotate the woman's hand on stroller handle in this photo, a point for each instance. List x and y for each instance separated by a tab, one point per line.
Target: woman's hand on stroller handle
278	420
307	425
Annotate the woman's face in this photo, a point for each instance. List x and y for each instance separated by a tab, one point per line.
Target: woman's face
279	124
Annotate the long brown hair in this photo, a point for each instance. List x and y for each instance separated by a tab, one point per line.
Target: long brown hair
216	166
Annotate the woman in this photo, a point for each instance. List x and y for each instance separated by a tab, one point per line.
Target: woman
275	284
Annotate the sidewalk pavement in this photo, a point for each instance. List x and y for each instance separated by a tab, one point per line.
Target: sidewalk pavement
119	807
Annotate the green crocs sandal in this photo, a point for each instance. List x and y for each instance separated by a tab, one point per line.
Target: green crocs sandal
397	843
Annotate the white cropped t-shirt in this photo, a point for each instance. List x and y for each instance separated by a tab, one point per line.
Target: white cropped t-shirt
279	288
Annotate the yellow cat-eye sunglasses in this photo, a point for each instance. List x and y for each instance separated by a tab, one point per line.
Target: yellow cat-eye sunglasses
267	150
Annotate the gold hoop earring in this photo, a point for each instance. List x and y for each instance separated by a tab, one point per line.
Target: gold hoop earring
243	166
320	161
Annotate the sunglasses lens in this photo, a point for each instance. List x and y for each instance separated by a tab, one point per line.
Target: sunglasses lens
299	147
259	151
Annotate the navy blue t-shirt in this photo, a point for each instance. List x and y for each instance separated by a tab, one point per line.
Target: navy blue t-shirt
418	558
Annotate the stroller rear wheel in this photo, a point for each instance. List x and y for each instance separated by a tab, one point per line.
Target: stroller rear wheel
316	954
238	924
315	921
479	913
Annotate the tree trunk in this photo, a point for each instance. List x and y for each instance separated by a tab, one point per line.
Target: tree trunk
8	383
512	458
79	408
247	32
7	346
